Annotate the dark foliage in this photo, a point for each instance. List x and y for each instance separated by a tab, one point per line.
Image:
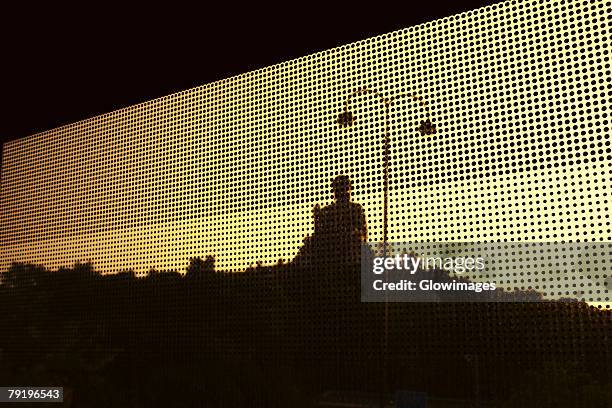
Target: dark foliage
278	336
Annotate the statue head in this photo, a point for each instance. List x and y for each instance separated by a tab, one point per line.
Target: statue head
342	187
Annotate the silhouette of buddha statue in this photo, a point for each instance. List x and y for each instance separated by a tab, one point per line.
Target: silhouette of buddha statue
343	219
339	229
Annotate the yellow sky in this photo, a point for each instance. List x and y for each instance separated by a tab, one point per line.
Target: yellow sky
233	168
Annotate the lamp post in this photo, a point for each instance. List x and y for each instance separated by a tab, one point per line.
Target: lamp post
346	119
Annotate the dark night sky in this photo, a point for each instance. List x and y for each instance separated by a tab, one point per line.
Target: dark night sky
61	66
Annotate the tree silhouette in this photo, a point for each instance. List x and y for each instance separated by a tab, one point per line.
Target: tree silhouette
198	267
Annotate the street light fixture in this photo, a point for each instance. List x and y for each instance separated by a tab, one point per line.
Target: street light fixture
347	119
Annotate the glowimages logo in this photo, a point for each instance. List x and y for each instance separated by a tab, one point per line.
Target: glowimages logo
479	272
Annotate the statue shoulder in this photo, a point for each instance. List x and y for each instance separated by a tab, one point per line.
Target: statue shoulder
356	207
327	209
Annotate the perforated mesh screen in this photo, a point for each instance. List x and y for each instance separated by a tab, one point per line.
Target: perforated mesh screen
519	94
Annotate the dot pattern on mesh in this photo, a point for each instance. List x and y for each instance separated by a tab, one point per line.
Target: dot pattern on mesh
519	93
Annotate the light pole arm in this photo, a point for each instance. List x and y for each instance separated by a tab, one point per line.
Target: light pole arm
362	91
415	97
387	101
